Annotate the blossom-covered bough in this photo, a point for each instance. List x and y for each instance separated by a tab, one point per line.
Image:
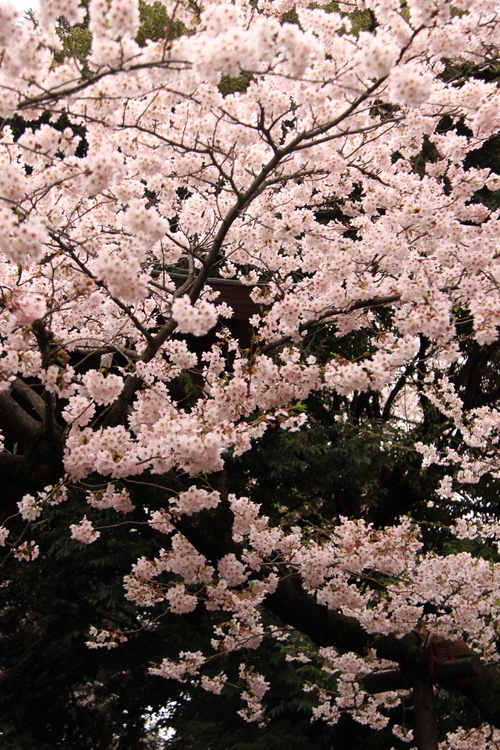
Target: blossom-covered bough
305	185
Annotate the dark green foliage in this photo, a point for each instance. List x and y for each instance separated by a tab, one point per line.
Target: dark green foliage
77	42
487	157
291	16
230	85
335	467
155	24
54	691
362	20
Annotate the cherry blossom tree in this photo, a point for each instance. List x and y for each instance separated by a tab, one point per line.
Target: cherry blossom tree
334	185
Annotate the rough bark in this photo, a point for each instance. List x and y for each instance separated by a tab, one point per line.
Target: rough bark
426	729
21	425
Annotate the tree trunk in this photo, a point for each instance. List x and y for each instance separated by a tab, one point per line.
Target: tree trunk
426	731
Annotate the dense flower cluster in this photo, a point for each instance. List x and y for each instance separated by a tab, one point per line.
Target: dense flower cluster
29	508
84	531
110	498
194	500
103	390
197	320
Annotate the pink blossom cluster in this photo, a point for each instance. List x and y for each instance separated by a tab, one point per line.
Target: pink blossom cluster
214	684
58	381
189	664
256	686
110	451
139	219
29	508
197	320
180	600
185	561
111	498
142	592
103	389
160	520
484	737
23	241
357	553
180	355
84	531
194	500
105	638
121	274
184	440
348	668
26	551
410	85
79	411
232	570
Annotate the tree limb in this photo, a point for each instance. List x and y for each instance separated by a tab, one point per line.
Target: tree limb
29	395
210	534
20	423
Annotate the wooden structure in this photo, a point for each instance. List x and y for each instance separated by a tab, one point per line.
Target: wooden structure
445	662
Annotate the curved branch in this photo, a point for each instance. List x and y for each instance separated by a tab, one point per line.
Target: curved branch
62	93
29	395
20	423
310	325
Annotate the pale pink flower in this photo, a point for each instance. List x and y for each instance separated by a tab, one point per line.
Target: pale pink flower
84	531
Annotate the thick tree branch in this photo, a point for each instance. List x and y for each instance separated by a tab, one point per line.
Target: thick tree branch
29	395
44	340
21	425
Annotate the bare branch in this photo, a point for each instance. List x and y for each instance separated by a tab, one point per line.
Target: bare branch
20	423
61	93
29	395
